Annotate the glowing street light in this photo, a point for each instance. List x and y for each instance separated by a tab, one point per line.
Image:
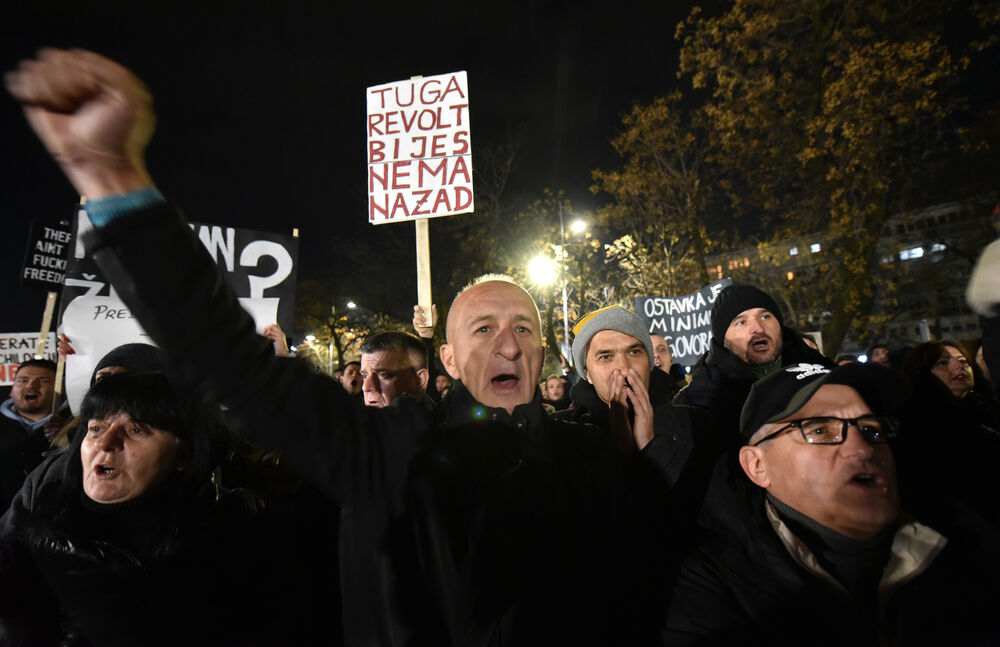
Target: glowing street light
351	305
578	226
542	271
310	337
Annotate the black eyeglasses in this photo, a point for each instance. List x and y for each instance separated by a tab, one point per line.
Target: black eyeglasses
833	431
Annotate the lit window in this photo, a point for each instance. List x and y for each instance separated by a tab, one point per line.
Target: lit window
790	276
793	251
912	253
814	248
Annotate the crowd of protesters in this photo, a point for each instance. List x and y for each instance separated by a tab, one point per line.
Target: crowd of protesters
214	490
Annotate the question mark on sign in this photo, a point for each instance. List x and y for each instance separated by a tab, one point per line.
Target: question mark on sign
250	256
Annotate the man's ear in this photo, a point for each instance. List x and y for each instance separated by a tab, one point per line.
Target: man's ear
424	376
755	466
448	359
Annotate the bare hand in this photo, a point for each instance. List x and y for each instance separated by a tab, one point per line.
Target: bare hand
631	412
94	116
277	337
63	346
424	328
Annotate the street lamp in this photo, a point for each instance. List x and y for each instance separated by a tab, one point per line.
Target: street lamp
578	226
542	271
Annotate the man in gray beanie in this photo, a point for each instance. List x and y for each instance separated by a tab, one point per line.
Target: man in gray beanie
614	355
749	341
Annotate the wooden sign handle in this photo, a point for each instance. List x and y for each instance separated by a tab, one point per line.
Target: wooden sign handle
424	299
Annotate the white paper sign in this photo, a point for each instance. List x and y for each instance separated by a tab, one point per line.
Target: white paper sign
419	149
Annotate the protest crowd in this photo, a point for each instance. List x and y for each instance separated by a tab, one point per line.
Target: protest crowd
215	490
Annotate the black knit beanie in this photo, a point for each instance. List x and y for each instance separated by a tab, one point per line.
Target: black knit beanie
138	358
735	299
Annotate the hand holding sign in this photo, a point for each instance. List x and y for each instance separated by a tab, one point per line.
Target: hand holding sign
93	115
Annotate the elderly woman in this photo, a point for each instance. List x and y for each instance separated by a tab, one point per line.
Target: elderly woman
949	442
124	538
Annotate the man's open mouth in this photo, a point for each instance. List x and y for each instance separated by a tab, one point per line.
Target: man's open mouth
105	470
871	480
761	344
505	381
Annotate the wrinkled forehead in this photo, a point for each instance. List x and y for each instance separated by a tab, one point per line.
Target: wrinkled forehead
490	298
34	372
386	358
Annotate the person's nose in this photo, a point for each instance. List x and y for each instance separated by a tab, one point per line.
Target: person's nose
112	439
855	444
370	383
507	345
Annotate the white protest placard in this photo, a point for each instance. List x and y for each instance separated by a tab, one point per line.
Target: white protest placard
97	325
685	322
18	347
419	149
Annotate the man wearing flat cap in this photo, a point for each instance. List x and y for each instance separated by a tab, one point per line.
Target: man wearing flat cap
748	342
807	542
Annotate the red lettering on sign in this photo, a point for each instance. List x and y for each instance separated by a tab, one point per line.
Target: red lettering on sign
373	175
400	175
461	138
373	122
375	151
460	168
400	203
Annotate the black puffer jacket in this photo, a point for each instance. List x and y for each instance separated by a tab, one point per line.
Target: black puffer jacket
721	381
465	526
163	569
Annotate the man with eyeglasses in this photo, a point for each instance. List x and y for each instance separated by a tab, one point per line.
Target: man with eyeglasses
808	543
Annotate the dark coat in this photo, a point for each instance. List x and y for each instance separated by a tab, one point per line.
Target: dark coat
465	525
721	381
20	452
948	449
163	569
742	587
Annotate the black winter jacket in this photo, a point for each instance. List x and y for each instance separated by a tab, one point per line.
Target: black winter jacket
161	569
465	526
743	587
721	381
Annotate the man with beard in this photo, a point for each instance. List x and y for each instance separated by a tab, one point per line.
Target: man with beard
22	424
807	544
748	342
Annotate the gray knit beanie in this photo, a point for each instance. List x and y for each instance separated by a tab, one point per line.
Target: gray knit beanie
610	318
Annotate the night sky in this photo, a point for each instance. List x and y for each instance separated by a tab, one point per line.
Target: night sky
261	110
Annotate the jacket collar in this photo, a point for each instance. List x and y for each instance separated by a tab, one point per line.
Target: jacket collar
459	407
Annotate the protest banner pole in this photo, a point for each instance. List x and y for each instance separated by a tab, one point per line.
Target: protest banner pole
423	238
58	389
424	299
43	336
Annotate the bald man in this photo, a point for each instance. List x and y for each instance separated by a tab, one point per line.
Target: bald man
467	523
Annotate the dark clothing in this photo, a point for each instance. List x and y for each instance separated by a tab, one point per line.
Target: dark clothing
744	587
467	525
160	569
559	405
21	451
683	449
721	381
948	449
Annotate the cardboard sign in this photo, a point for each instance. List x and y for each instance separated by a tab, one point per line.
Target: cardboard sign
45	256
684	321
260	267
419	149
18	347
